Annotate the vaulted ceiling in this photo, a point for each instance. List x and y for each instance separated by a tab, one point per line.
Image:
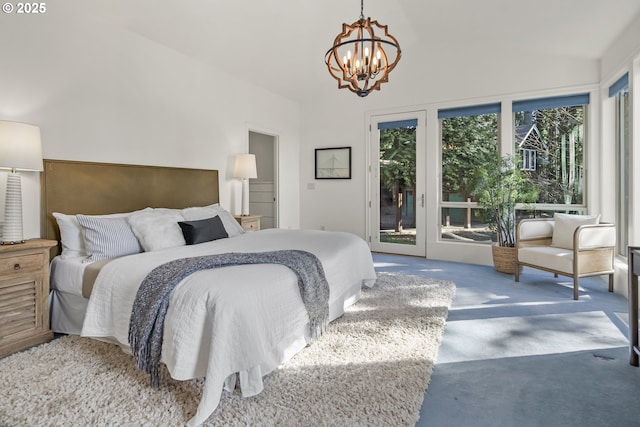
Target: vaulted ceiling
280	44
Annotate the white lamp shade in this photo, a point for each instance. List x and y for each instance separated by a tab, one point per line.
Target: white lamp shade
245	166
20	146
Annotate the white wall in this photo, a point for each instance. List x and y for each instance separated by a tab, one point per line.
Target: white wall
419	81
622	51
623	56
443	79
101	93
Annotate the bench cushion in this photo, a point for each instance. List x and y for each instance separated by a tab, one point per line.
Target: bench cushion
550	257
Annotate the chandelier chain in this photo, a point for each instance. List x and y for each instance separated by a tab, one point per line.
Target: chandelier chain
362	10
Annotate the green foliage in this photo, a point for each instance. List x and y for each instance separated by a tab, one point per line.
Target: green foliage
560	171
499	186
468	143
398	157
397	166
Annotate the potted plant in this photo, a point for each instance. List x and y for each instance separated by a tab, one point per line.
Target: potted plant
500	186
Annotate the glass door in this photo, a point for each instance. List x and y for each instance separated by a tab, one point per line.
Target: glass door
397	184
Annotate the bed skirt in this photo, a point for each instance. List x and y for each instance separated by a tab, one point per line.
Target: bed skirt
67	312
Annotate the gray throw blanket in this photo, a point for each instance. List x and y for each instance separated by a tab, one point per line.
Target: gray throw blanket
152	300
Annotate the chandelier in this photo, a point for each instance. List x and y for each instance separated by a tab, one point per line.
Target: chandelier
358	59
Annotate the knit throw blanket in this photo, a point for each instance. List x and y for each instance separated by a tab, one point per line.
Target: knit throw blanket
152	300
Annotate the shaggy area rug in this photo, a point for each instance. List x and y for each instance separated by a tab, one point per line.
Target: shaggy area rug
371	368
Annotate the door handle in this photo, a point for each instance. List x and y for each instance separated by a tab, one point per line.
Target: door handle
422	200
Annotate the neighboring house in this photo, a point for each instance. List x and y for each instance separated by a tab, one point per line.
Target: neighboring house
531	144
554	165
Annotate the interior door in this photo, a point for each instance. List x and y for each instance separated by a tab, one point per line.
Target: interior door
263	199
397	183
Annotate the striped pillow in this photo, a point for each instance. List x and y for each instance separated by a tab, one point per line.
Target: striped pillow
106	238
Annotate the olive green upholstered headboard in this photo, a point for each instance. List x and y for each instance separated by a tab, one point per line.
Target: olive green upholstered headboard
73	187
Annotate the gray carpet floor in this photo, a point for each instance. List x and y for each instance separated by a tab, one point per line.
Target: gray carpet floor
527	354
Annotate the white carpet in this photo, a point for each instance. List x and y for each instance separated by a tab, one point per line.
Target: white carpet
371	368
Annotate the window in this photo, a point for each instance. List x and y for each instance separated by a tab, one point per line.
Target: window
469	136
550	135
620	90
528	159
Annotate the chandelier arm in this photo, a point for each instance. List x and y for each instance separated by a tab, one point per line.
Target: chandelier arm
335	47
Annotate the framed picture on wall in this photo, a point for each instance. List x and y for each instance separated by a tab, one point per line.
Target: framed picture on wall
333	163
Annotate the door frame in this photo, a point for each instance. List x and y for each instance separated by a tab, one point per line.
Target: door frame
276	170
372	184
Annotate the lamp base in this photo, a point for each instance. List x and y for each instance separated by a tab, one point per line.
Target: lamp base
12	227
245	197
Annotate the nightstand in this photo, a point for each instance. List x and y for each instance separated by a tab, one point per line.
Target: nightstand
249	222
24	295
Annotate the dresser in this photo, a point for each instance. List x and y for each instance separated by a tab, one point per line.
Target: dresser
24	295
249	222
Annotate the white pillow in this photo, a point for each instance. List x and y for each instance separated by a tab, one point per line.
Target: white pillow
71	232
70	235
565	225
232	227
157	229
106	238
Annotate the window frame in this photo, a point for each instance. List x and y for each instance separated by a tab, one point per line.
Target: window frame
569	100
619	90
463	111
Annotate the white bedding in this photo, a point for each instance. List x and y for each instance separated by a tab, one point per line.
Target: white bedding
242	319
66	274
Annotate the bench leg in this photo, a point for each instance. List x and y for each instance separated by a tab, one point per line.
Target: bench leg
517	273
575	287
611	282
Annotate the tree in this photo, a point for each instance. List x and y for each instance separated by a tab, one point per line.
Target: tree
560	171
500	187
468	143
398	165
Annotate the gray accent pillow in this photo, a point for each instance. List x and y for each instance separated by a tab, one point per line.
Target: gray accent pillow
232	226
203	230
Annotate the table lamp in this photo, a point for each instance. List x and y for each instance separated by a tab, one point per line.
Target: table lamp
20	150
245	168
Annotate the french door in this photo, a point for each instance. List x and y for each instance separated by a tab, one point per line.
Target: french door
397	183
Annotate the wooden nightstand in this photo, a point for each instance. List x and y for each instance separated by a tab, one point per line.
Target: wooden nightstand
249	222
24	295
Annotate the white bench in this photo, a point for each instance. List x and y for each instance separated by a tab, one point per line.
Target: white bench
591	254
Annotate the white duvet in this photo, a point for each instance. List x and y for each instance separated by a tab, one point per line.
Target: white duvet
242	319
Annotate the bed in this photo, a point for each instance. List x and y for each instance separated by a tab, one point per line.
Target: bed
229	324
